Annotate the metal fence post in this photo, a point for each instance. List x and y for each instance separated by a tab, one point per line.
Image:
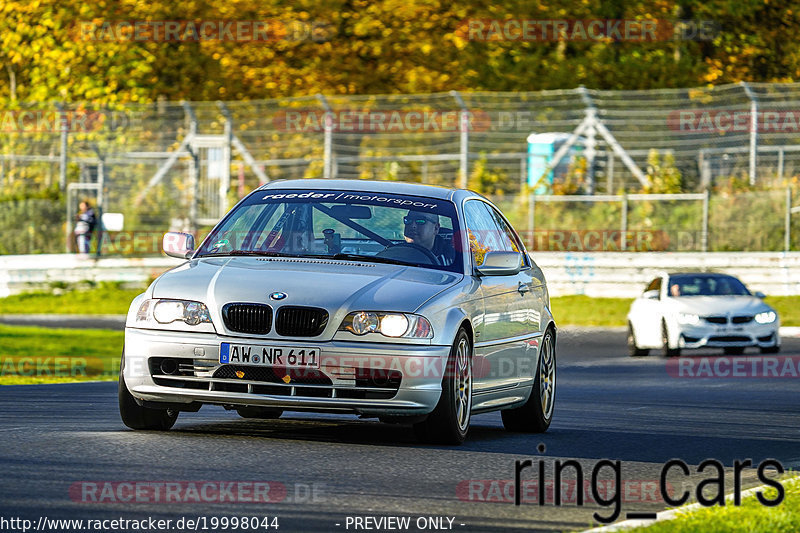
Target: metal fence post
327	157
623	234
225	182
704	236
62	162
787	244
531	215
463	165
591	142
194	165
753	130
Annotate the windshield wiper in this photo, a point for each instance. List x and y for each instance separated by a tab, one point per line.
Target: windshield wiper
359	257
248	253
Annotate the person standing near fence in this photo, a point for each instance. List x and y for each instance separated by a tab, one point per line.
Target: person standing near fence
84	227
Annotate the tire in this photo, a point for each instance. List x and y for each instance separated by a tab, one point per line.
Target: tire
137	417
733	350
537	413
264	413
633	350
771	349
668	352
449	421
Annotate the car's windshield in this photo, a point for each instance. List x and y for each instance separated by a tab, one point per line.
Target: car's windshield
349	225
706	285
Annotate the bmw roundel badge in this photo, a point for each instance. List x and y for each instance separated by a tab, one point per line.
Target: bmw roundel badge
277	296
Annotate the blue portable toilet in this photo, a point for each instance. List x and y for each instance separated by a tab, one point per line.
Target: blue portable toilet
541	149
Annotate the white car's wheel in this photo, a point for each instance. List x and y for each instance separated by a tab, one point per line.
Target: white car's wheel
449	421
536	414
633	348
668	350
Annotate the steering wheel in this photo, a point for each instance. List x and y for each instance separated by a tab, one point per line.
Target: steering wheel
403	250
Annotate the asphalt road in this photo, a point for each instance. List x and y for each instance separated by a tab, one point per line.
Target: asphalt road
62	445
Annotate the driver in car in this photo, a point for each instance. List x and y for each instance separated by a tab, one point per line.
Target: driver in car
422	229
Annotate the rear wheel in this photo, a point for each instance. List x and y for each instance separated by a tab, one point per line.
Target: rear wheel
137	417
633	349
668	351
449	421
536	414
733	350
265	413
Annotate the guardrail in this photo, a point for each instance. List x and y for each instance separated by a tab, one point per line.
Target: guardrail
609	274
624	275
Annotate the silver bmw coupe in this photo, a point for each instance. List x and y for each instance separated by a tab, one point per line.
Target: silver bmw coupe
414	304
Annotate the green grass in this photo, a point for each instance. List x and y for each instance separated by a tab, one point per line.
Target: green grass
751	516
111	299
788	308
103	299
44	355
582	310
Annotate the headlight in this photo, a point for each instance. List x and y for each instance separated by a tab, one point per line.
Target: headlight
688	319
767	317
387	324
169	311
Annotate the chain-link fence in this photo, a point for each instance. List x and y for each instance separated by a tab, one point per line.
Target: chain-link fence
181	165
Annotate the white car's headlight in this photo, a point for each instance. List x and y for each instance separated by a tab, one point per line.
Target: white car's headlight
688	319
767	317
154	312
387	324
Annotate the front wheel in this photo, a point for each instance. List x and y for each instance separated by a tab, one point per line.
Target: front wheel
633	349
536	414
668	351
137	417
771	349
449	421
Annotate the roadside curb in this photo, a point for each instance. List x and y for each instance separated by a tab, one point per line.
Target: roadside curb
789	331
672	514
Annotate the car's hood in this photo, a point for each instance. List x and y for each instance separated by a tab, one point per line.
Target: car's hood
338	286
719	305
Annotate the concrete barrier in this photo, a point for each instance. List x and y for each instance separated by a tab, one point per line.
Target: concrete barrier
614	274
20	273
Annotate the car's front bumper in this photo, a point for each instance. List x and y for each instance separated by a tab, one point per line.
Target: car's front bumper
419	390
710	336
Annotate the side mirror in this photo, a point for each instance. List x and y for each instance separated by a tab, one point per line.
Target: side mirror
501	264
650	295
759	294
180	245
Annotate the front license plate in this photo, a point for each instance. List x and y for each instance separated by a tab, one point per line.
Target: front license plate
268	355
